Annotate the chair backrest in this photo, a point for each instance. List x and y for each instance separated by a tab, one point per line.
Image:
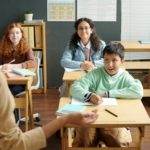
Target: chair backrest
36	80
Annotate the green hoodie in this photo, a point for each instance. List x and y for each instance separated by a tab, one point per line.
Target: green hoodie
121	85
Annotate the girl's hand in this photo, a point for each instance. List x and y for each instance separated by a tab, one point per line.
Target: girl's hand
9	67
87	65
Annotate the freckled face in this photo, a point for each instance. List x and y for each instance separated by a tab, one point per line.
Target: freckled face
112	63
15	35
84	31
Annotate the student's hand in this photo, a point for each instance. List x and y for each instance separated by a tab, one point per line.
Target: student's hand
82	119
9	67
87	65
95	99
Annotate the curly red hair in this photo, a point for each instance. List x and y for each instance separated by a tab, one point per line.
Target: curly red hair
6	46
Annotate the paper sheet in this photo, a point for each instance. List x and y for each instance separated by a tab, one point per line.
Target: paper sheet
106	102
71	70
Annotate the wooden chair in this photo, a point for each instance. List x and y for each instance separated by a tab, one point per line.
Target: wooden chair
36	79
23	103
24	99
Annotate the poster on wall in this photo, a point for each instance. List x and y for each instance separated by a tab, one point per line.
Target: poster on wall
97	10
69	10
60	10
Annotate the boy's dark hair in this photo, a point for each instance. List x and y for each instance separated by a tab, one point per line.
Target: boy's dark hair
114	48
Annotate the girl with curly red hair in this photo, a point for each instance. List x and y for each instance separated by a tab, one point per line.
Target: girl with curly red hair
15	52
14	46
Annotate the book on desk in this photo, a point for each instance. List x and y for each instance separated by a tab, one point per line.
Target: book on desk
70	108
23	72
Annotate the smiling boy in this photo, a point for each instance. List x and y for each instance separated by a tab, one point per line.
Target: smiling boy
110	80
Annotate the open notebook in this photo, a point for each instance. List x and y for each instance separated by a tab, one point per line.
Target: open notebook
23	72
70	108
106	102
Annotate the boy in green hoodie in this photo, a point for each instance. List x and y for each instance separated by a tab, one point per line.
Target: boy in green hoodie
110	80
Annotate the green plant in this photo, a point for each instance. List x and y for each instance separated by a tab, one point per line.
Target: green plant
28	12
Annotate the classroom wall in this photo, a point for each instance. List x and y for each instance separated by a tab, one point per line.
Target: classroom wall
57	33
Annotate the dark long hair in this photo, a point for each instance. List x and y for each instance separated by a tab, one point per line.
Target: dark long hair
95	40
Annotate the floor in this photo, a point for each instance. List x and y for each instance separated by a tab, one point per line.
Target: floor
47	105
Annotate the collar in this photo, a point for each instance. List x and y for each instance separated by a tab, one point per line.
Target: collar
120	71
88	45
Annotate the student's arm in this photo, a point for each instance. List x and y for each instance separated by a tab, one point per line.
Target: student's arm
28	63
81	89
67	60
30	60
99	55
131	88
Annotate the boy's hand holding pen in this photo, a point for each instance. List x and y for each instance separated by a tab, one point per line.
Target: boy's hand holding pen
95	99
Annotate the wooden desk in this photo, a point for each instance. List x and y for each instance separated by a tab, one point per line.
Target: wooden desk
70	77
135	46
136	64
27	81
136	117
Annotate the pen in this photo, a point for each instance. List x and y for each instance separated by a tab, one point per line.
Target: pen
111	113
86	71
11	61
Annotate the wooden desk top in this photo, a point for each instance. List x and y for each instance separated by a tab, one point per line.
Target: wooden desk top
75	75
136	64
130	113
72	76
21	81
135	46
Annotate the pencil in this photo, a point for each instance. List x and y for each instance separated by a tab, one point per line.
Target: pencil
110	112
11	61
